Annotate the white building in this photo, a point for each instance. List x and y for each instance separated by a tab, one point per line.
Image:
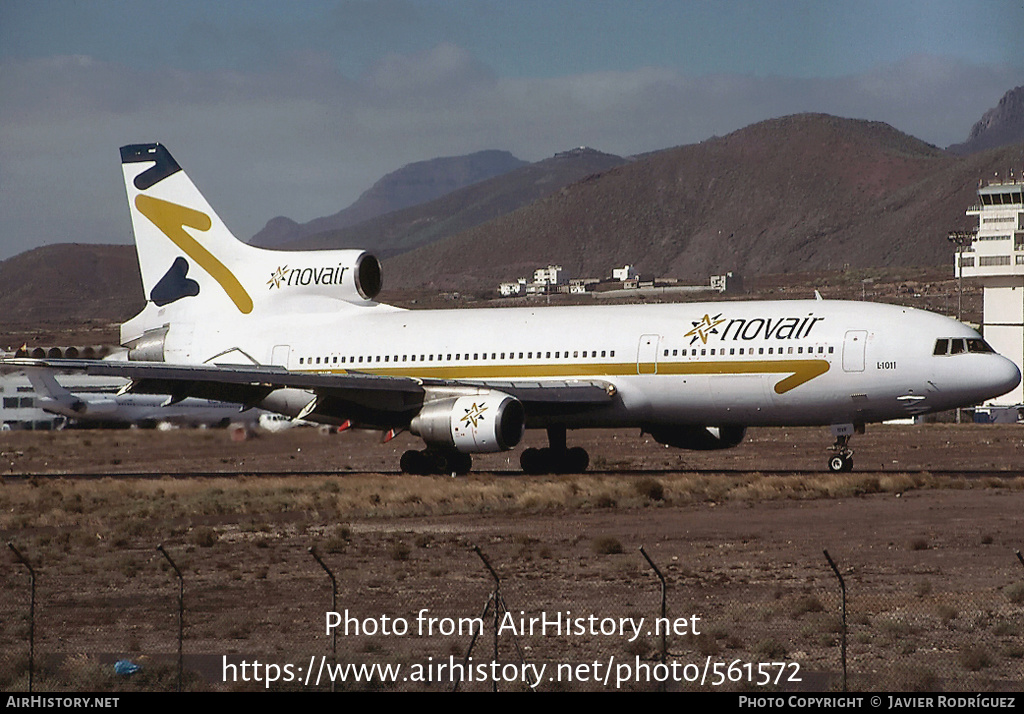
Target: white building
625	273
730	282
995	257
551	275
513	289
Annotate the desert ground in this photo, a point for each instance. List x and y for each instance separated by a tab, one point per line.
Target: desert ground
924	533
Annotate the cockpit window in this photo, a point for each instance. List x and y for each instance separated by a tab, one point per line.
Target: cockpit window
979	345
959	345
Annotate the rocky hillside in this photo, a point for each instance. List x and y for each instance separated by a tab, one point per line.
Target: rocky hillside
410	185
1001	125
461	210
803	192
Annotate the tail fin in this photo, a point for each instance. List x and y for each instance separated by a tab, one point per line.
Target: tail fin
189	259
52	396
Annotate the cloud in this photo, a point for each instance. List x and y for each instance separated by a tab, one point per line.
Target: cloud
302	139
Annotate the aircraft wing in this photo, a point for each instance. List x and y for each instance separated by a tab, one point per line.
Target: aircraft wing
366	399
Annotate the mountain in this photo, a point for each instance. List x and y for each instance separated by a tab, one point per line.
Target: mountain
800	193
465	208
71	283
408	186
999	126
804	192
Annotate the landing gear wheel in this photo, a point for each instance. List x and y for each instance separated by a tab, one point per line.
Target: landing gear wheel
554	461
841	463
532	462
413	463
577	460
428	461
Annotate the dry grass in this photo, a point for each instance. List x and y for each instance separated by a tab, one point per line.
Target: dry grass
119	509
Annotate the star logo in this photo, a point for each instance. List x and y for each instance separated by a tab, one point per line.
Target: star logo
277	277
705	327
474	415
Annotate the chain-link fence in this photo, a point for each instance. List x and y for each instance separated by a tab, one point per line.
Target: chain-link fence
432	611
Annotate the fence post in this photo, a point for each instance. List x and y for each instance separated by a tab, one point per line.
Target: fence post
31	615
664	603
498	602
181	608
842	586
334	608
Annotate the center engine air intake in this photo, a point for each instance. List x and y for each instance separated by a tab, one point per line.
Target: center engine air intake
477	424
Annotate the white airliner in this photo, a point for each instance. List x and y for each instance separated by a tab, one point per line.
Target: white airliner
137	409
299	333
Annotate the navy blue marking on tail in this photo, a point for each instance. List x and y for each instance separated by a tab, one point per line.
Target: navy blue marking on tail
174	285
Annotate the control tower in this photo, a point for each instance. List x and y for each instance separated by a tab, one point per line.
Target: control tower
994	256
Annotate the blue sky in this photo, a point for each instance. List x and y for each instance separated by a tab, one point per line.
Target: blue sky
295	108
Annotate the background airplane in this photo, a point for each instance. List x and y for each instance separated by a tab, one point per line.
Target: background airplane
131	409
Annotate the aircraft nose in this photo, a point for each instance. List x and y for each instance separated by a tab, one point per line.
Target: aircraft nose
999	377
1008	375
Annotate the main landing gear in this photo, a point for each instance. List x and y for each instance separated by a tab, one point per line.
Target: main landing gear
555	458
436	461
842	460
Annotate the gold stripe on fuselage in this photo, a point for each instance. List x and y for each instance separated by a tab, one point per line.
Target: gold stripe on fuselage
799	371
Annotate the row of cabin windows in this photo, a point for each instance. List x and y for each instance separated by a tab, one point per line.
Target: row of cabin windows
476	356
750	351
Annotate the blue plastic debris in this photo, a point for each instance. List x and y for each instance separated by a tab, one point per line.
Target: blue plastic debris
126	668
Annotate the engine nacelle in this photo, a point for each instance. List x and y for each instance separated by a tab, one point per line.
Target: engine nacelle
476	424
699	438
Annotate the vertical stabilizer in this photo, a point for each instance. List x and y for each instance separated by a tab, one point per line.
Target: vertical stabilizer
192	265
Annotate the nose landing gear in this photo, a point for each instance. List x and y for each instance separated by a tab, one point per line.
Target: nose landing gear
842	460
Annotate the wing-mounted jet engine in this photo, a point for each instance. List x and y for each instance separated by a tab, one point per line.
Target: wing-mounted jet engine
455	427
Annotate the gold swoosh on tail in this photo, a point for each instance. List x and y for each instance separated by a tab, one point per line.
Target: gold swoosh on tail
171	219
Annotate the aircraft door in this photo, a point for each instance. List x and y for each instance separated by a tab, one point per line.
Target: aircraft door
279	357
853	350
647	354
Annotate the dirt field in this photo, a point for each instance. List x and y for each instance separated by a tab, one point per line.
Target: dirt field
924	533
